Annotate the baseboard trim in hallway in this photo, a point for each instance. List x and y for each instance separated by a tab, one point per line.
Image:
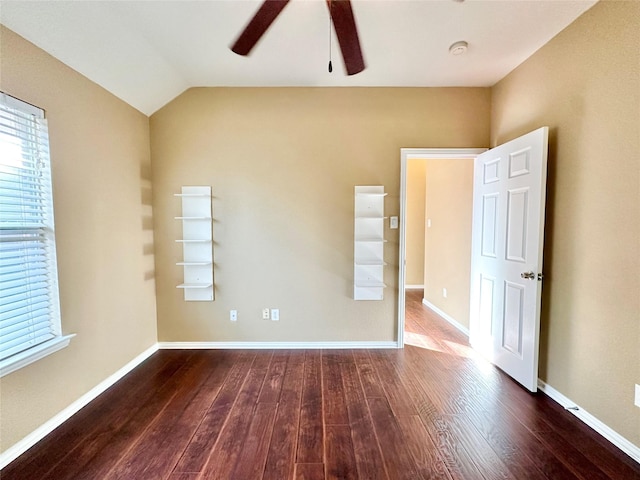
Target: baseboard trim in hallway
446	317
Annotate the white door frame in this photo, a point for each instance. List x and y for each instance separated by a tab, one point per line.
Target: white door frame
418	154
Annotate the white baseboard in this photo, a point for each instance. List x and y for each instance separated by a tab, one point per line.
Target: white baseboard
273	345
607	432
13	452
447	317
414	287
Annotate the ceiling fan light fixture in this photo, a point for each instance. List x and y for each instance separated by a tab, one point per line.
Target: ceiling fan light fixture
458	48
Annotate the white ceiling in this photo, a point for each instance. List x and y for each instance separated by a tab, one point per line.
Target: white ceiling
148	52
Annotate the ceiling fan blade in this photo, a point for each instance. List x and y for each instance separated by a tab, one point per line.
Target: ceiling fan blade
261	21
345	25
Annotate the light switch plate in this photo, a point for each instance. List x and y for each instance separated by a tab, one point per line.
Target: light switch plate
393	222
637	401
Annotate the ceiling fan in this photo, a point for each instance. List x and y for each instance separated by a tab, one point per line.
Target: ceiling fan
341	15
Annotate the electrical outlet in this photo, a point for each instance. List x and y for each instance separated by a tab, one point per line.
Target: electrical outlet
233	315
637	401
265	314
275	314
444	292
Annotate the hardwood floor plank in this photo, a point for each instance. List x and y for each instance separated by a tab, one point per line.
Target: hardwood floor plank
310	434
227	449
464	391
593	446
195	455
253	454
183	476
309	471
481	454
456	458
497	429
159	448
522	450
333	402
365	444
272	385
368	376
282	448
438	384
340	461
395	391
399	463
571	457
112	445
425	454
544	459
96	421
415	391
524	405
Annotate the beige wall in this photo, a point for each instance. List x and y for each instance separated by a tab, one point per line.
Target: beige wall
449	206
101	183
585	85
283	163
414	218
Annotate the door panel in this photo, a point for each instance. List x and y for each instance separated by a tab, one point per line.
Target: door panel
519	163
513	318
491	169
507	243
487	287
517	209
489	217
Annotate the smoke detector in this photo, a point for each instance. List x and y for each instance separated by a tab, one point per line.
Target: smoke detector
458	48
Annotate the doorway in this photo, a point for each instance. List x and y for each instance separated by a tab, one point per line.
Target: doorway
408	155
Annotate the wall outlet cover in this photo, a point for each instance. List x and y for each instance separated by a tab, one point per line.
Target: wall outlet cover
233	315
637	401
265	314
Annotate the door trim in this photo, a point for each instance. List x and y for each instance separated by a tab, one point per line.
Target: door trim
418	154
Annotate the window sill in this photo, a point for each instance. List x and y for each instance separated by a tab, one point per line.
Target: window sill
34	354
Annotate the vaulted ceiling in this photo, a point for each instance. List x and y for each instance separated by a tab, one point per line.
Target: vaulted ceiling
148	52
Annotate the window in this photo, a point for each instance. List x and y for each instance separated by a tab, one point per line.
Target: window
29	310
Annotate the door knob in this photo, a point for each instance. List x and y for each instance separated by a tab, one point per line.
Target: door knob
528	275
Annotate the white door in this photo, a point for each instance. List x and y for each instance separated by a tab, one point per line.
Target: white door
506	258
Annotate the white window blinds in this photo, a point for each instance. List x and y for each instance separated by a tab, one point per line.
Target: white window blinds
29	310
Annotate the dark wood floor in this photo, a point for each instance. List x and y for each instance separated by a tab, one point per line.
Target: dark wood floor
432	410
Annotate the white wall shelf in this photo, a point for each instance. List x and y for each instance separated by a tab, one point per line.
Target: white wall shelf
370	239
194	285
368	266
197	243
